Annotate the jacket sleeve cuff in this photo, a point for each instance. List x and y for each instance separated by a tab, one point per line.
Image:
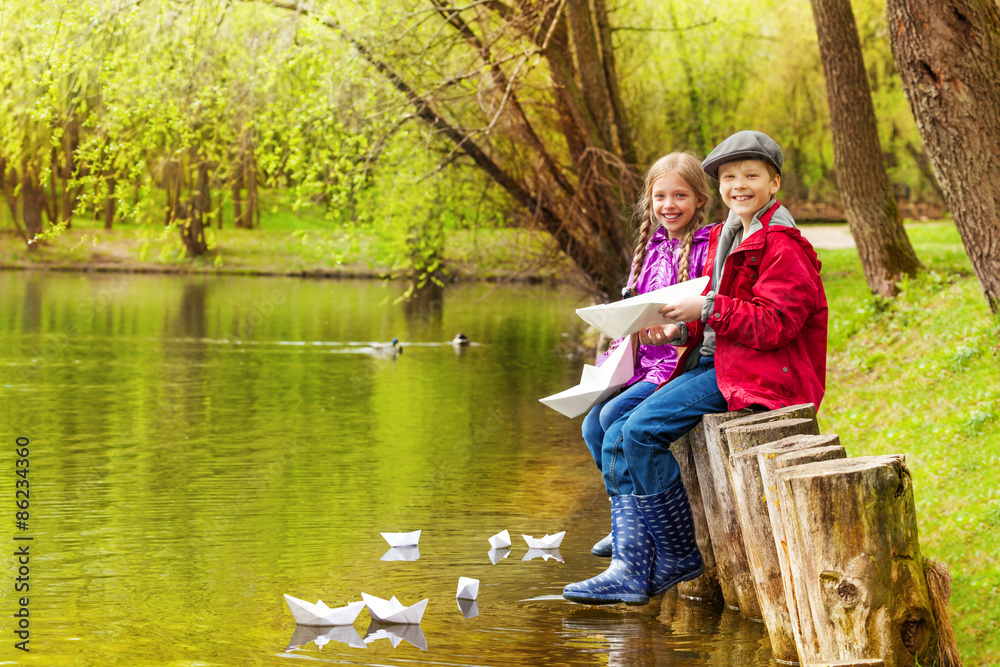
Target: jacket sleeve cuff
706	307
682	337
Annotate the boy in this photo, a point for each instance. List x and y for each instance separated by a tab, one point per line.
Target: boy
757	337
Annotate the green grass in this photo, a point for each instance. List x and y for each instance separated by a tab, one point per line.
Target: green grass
918	375
288	241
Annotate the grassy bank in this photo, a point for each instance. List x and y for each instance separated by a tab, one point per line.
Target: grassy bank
287	242
921	376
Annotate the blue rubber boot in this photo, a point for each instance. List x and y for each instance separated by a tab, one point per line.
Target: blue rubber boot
627	578
667	516
603	548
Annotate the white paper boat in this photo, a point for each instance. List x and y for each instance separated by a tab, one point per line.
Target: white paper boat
547	542
627	316
544	554
396	633
469	608
596	383
500	540
402	539
307	613
345	634
392	610
468	588
401	553
497	555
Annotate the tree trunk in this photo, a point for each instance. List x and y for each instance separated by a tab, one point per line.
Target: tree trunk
948	55
109	203
33	202
238	221
794	450
851	528
192	227
70	196
706	587
869	203
748	489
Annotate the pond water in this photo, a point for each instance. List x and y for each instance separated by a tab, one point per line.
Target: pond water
200	446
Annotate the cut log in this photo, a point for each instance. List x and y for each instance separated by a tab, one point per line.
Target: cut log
748	490
784	453
851	532
706	587
723	523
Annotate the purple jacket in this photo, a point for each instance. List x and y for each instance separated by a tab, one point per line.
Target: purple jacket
655	363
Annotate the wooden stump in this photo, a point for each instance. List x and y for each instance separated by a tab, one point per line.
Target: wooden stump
784	453
851	531
720	511
748	489
706	587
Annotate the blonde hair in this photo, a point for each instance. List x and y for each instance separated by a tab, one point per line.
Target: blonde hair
688	167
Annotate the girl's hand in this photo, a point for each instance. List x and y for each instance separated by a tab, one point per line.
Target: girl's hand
659	335
683	309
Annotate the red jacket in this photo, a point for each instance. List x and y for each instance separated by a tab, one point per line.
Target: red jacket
770	320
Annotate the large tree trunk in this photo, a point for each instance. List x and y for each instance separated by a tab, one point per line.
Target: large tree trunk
33	202
865	192
948	55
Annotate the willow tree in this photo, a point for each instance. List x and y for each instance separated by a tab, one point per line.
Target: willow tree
528	93
868	200
948	53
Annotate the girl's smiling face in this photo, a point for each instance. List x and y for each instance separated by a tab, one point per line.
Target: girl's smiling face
746	186
674	203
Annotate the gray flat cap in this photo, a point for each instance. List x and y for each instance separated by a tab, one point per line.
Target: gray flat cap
744	145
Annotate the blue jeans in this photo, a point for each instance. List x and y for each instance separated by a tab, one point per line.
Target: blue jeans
636	448
603	415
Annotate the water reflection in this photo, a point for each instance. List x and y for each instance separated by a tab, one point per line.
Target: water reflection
401	553
469	608
544	554
344	634
497	555
396	633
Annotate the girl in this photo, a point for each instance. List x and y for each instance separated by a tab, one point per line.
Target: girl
672	213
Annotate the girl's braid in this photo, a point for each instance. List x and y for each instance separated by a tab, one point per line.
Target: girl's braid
641	247
685	258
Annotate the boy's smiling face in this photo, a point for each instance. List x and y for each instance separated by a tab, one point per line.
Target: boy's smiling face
746	186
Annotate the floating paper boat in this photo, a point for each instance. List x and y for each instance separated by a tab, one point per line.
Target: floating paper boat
307	613
547	542
392	610
469	608
544	554
396	633
401	553
596	383
627	316
468	588
402	539
500	540
345	634
497	555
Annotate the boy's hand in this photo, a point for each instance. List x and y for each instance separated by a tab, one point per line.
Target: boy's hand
684	309
659	335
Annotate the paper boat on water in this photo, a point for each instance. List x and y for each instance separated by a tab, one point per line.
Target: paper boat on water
500	540
596	384
345	634
401	553
468	588
307	613
627	316
547	542
396	633
544	554
469	608
497	555
402	539
392	610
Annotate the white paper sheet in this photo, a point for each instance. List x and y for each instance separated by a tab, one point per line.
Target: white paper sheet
307	613
627	316
402	539
596	383
547	542
392	610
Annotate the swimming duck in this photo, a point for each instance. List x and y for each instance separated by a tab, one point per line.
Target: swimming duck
460	339
391	349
